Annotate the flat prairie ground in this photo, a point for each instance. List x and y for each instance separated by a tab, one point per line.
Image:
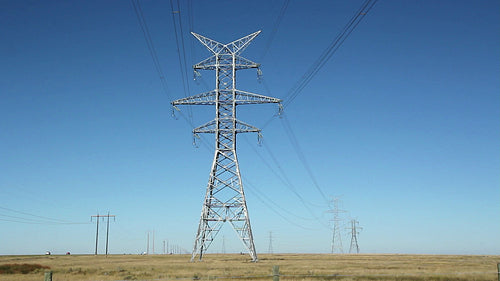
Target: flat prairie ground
239	267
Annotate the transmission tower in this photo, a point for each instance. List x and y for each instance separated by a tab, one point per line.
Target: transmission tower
270	249
223	244
225	199
337	220
354	236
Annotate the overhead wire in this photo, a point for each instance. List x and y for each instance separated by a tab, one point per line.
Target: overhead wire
32	218
274	30
43	223
197	77
21	218
306	78
32	215
261	196
181	52
149	42
284	179
326	55
190	11
298	150
152	50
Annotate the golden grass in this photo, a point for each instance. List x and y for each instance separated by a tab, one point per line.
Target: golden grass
292	267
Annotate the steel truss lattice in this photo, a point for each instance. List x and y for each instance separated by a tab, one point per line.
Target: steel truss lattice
225	199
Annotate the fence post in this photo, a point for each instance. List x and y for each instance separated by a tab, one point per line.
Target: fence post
498	271
48	276
276	273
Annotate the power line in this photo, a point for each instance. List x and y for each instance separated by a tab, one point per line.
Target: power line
326	55
295	144
45	219
260	195
329	51
274	30
181	52
282	176
42	223
152	51
149	42
27	220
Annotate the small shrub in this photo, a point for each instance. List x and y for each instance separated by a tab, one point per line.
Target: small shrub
24	268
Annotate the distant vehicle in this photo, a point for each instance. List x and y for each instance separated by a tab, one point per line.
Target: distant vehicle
47	253
68	253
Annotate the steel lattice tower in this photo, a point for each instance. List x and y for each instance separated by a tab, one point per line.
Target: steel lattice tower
337	235
354	236
225	199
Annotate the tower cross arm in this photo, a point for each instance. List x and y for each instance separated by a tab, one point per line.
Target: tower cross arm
211	63
243	63
208	64
235	47
211	127
242	127
207	98
212	45
243	97
239	45
207	128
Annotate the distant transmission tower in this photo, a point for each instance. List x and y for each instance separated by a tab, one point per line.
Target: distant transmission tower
223	244
270	249
225	199
354	236
336	235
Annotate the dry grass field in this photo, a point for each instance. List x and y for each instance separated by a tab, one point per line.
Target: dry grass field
238	267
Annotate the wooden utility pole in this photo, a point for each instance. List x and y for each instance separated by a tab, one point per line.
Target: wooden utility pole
97	230
147	245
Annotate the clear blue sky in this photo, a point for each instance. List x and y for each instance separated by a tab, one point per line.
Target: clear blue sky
403	123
